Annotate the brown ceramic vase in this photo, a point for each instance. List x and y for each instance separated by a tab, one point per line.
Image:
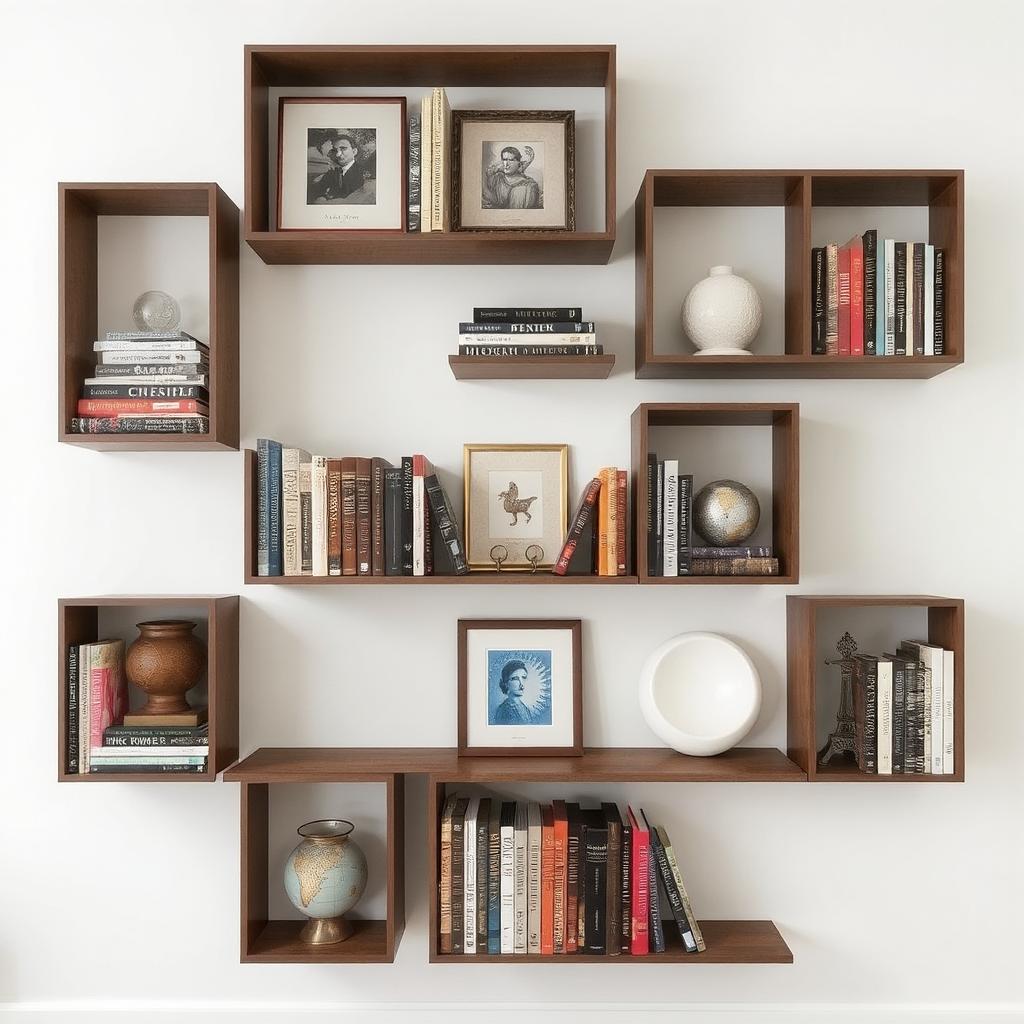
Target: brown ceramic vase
165	661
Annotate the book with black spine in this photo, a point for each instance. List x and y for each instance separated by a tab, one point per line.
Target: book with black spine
651	483
482	867
736	551
377	515
818	298
675	901
917	283
161	424
680	885
865	712
583	517
655	928
594	862
913	722
414	185
149	391
406	521
940	302
161	736
494	878
502	346
155	373
658	568
613	914
526	314
626	888
71	711
684	525
146	769
393	521
442	515
899	714
530	327
900	277
458	874
870	239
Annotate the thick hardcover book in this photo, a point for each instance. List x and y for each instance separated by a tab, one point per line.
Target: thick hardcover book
818	301
349	565
377	515
160	739
527	327
334	517
150	336
146	394
900	279
533	840
426	160
306	514
582	517
884	719
613	911
319	496
869	245
677	877
364	529
655	929
865	712
458	874
393	521
406	532
675	901
150	344
684	525
939	342
145	769
560	820
445	883
482	868
290	510
899	715
572	878
442	518
135	357
469	875
831	299
738	551
621	522
140	425
500	348
415	155
889	249
440	180
626	888
508	903
71	709
856	247
929	300
147	373
651	483
639	897
918	291
494	878
547	880
595	883
843	279
670	532
526	314
735	567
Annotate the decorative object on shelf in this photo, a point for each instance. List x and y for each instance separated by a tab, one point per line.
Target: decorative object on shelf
725	512
520	687
513	170
342	163
534	553
325	877
156	311
165	661
700	693
516	495
842	740
722	314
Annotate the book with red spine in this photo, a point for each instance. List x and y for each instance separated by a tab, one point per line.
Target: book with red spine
639	862
586	510
140	406
844	300
547	880
561	880
621	510
108	688
856	248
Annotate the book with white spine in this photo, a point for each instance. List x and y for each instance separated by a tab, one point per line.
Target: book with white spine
884	716
948	724
670	533
929	300
533	841
507	876
520	878
930	656
140	357
138	753
319	515
469	876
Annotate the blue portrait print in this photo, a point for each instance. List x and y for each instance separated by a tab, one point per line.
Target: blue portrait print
518	687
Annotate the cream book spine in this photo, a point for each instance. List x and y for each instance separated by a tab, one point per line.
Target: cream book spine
319	515
426	162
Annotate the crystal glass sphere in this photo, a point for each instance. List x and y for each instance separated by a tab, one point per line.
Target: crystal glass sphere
156	311
725	512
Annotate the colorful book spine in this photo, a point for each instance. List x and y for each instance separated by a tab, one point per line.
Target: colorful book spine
844	299
494	878
519	880
640	903
561	845
856	248
622	520
534	824
547	881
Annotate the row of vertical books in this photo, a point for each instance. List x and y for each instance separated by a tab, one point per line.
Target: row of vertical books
523	878
322	516
904	710
429	154
878	298
597	538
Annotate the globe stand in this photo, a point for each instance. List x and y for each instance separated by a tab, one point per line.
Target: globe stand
843	738
322	931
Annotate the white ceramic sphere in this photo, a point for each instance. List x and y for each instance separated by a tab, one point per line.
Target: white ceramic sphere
700	693
722	313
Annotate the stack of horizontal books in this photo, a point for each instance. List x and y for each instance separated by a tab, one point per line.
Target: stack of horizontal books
512	332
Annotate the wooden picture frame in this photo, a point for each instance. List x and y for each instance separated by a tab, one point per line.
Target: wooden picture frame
494	655
552	183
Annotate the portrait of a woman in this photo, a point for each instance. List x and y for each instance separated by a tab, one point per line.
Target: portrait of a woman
512	710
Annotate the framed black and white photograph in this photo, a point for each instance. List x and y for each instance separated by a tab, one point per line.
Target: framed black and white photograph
513	169
520	687
516	505
341	163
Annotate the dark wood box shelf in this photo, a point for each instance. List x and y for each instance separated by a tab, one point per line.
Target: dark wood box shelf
79	206
784	422
945	617
390	67
78	623
800	193
532	367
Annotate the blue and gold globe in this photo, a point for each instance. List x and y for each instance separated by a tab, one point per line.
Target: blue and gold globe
324	877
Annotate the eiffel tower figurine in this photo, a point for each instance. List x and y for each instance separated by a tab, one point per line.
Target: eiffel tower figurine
841	739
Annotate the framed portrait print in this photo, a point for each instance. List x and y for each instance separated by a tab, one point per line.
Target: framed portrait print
516	498
513	170
341	163
520	687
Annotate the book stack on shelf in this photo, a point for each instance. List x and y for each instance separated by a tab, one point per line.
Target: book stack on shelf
510	332
146	382
429	152
322	516
522	878
670	533
102	737
904	711
873	297
597	539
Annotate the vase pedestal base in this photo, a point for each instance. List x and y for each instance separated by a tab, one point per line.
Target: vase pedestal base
722	350
322	931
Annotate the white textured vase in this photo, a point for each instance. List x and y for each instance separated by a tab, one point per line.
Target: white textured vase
722	314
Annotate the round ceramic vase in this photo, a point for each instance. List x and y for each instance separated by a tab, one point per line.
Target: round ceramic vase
722	314
324	877
165	661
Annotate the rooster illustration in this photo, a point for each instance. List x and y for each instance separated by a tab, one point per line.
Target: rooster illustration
515	505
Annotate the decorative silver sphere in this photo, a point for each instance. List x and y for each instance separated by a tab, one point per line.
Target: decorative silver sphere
156	311
725	512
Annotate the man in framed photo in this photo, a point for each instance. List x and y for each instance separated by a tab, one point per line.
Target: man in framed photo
320	168
348	176
507	186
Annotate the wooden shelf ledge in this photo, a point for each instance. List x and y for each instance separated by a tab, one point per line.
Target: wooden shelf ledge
531	367
279	943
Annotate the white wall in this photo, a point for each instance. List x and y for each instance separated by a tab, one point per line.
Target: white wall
888	895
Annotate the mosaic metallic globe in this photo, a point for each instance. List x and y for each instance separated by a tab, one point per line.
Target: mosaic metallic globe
156	311
725	512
